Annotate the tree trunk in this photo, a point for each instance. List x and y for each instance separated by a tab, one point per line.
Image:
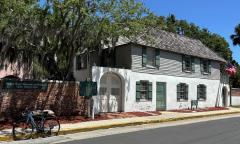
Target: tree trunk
69	74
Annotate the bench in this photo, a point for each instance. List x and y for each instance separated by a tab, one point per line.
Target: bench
194	103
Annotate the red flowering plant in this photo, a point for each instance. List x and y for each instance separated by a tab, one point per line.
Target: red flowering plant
231	70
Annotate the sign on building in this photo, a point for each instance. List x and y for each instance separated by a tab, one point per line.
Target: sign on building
24	85
88	88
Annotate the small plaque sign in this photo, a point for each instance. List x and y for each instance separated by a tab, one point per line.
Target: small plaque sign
88	88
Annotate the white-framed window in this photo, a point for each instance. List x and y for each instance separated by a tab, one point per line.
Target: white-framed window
188	63
182	92
201	92
205	66
150	57
143	90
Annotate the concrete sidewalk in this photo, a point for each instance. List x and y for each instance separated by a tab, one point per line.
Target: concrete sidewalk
5	135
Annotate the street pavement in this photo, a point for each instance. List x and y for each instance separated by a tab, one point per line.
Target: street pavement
166	116
222	131
212	129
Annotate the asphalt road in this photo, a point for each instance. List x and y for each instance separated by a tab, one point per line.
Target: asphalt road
224	131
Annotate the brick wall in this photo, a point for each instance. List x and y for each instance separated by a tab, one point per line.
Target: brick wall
61	97
235	92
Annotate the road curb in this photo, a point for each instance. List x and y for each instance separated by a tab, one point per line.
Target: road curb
5	138
63	132
71	131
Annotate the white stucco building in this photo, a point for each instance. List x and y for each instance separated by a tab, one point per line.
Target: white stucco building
164	75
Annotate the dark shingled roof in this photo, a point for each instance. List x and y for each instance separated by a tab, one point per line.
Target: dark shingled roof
175	43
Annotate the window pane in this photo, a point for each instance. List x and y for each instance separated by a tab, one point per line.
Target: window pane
182	91
144	95
115	91
151	56
188	63
143	90
201	92
205	66
143	86
103	91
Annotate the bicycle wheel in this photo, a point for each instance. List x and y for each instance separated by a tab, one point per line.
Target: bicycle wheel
51	126
22	131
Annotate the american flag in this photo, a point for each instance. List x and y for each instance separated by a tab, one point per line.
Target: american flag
231	70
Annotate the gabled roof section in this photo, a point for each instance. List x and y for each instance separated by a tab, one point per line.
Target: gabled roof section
174	43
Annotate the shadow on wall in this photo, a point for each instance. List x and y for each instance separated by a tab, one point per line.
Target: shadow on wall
61	97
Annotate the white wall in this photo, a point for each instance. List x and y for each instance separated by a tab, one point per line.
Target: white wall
214	92
124	74
236	100
129	78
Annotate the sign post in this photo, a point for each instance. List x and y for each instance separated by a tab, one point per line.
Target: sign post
89	89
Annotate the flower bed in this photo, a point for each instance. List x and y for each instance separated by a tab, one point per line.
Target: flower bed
103	116
106	116
199	109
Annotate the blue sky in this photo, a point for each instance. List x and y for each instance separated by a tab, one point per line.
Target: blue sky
218	16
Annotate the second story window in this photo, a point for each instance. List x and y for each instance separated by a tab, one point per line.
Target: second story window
188	64
81	62
205	66
150	57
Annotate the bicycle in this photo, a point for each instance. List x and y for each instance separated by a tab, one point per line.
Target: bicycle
33	123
